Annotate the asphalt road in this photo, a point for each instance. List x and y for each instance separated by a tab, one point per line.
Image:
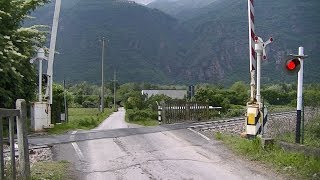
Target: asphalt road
153	154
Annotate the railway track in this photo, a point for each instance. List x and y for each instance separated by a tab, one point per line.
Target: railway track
230	125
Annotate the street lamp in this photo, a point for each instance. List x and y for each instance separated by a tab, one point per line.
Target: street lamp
40	56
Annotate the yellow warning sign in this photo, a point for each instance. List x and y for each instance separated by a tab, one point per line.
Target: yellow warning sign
251	119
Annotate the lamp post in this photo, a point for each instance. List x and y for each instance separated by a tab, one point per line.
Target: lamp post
40	56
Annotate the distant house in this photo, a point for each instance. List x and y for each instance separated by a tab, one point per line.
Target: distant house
174	94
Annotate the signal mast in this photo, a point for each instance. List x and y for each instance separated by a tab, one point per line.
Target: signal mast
256	112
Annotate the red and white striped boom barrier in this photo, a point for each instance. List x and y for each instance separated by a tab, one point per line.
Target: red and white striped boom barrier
251	47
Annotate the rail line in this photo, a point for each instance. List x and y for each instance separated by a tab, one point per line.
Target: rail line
233	125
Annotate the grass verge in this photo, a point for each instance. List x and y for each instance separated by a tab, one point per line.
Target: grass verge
81	118
51	170
295	164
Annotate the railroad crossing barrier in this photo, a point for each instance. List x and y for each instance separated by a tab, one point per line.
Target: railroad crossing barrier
181	111
20	114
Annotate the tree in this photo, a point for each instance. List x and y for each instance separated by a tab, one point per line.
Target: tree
16	48
135	100
238	93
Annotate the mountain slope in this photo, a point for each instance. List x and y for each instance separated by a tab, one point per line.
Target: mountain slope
141	42
179	8
219	51
210	45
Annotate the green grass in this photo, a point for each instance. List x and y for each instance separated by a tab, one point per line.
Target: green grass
145	122
297	165
50	170
279	108
81	118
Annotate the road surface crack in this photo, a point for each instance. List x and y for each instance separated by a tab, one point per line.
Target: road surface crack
121	146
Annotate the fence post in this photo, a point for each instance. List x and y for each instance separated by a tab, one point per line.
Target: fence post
207	112
12	150
163	113
187	111
22	140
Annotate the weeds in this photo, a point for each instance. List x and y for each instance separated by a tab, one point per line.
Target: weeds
81	118
50	170
295	164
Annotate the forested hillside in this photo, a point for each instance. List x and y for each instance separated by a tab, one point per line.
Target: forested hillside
181	9
209	43
219	49
142	43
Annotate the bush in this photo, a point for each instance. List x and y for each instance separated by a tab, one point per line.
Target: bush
136	115
89	122
57	104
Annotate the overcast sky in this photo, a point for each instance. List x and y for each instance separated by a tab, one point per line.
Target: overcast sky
143	1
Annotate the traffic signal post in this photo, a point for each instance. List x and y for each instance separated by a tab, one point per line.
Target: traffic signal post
295	64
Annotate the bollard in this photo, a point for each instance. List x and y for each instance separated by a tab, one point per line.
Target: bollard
159	115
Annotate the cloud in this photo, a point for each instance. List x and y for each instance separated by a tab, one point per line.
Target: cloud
144	2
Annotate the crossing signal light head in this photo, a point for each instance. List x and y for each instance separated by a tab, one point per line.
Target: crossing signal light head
292	65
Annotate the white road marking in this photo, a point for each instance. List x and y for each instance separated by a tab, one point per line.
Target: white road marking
203	136
76	147
78	151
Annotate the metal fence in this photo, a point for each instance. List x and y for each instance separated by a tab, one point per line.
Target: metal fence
20	115
283	125
180	111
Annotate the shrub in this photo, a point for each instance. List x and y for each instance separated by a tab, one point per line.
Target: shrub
136	115
88	122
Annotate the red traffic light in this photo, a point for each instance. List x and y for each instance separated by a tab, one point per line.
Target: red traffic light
293	65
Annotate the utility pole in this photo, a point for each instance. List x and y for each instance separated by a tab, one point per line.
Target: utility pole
102	76
114	89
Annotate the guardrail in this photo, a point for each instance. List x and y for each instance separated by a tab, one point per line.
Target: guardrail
20	115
